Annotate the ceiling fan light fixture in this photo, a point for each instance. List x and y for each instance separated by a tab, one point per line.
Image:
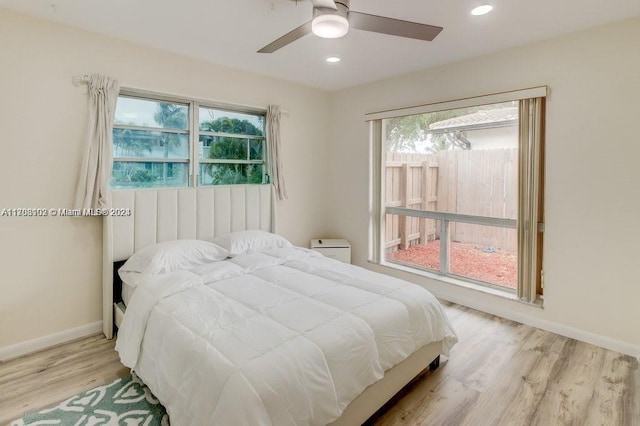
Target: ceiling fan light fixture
330	26
482	10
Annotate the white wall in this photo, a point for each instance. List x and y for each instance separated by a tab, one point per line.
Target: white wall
51	267
592	287
495	138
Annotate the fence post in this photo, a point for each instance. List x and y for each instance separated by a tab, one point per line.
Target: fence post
424	181
404	223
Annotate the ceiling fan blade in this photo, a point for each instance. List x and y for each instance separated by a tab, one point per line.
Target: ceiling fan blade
290	37
397	27
327	4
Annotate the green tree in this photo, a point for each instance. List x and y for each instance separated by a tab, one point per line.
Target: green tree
170	116
233	148
402	133
127	144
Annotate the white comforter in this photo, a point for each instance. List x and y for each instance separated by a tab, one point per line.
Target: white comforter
282	337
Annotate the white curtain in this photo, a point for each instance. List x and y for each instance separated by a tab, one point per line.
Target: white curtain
274	150
95	170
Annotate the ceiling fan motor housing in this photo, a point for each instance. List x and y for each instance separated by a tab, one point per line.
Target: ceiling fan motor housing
342	9
330	23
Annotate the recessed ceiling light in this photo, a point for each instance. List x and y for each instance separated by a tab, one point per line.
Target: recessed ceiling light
482	10
333	59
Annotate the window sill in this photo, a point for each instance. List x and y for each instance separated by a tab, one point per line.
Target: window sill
538	303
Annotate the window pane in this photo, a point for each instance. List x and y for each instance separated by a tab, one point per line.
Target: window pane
223	148
146	113
405	242
484	253
144	144
215	120
231	174
256	149
458	161
148	175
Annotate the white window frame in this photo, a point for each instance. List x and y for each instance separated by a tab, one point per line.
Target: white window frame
529	225
193	131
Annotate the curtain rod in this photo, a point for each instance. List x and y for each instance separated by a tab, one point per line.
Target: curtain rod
79	80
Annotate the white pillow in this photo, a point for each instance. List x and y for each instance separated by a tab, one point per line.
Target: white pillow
130	278
170	256
249	241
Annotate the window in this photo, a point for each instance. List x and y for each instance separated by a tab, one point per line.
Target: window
156	145
457	191
231	147
150	144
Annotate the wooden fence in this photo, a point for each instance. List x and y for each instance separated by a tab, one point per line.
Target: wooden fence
410	181
481	182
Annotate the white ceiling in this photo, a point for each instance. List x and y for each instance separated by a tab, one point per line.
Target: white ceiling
230	32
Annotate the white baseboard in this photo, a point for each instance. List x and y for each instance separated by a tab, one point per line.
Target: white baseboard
24	348
561	329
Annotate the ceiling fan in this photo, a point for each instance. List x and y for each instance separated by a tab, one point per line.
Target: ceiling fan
332	19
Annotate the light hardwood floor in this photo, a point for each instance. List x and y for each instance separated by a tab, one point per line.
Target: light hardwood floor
501	373
36	381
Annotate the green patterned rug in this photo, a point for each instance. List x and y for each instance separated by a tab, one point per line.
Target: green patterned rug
125	402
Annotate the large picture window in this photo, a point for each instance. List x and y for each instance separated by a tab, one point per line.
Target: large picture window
457	191
157	144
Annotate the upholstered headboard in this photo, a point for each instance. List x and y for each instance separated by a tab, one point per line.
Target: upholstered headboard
158	215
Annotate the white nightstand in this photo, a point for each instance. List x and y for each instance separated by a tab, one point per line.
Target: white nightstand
338	249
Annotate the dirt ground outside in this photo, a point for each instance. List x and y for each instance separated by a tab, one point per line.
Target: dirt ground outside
488	264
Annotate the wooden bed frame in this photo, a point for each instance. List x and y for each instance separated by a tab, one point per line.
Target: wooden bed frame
158	215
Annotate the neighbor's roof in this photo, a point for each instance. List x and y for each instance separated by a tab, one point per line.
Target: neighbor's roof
485	119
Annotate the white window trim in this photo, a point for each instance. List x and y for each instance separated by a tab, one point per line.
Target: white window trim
495	98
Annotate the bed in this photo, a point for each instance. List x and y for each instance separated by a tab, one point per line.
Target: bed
277	335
